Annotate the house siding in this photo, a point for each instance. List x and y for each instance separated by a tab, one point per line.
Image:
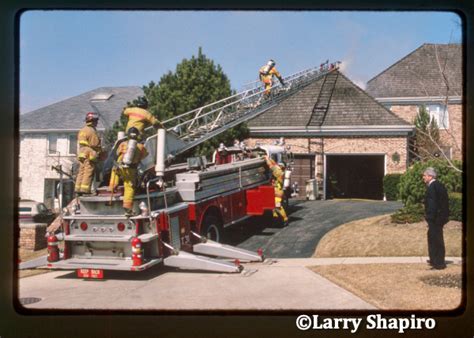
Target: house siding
387	146
349	145
35	164
451	137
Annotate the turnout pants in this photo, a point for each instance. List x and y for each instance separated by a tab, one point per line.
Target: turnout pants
436	249
128	176
84	176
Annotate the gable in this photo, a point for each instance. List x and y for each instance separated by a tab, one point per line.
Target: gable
349	106
422	73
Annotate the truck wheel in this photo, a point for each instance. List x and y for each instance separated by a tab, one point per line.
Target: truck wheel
212	229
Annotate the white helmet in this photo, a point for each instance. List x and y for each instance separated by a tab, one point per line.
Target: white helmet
271	63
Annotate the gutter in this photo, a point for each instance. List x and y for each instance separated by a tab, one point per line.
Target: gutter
395	130
25	131
419	99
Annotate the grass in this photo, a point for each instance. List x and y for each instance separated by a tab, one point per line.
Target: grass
399	286
393	286
27	255
378	236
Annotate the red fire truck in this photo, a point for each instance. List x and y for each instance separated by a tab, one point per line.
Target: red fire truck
182	208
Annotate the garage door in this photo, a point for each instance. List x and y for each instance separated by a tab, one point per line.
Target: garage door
355	176
303	170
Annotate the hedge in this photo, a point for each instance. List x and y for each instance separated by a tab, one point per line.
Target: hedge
412	188
455	206
390	186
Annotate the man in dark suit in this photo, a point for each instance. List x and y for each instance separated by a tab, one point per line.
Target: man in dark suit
437	215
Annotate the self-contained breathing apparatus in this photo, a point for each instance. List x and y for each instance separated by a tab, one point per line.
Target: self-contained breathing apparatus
131	147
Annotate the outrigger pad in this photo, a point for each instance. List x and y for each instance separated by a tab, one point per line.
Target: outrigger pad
185	260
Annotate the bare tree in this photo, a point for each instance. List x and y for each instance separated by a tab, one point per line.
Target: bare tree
425	152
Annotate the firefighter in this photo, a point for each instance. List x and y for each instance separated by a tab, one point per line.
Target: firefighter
139	117
89	152
128	173
266	74
278	177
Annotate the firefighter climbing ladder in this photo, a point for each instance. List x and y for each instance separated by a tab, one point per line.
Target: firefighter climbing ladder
201	124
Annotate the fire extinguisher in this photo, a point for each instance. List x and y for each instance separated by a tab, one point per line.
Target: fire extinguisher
53	249
137	259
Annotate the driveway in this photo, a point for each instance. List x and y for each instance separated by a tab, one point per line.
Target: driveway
271	285
309	222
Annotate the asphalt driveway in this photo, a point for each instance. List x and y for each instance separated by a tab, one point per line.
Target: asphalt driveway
309	222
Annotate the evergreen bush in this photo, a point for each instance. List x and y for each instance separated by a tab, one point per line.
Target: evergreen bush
390	186
455	206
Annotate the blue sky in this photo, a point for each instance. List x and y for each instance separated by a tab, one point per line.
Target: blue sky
66	53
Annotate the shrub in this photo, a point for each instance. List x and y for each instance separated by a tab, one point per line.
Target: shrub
409	214
455	206
390	186
412	188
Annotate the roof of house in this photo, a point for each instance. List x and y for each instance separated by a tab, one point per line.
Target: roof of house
420	74
69	114
349	107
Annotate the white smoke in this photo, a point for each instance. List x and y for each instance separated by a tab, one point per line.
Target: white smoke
344	66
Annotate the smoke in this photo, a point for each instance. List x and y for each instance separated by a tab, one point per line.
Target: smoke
344	66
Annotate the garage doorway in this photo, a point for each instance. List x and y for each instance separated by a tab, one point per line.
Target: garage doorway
355	176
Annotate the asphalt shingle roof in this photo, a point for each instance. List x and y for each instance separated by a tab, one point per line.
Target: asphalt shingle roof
70	113
420	73
349	106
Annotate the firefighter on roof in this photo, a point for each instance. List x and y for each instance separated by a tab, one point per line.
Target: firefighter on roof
266	74
139	117
278	177
89	151
128	173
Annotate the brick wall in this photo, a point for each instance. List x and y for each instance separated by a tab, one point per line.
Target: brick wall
354	145
32	236
451	137
35	164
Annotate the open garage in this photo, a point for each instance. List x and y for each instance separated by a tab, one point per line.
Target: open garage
355	176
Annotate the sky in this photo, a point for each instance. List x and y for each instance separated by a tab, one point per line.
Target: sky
67	53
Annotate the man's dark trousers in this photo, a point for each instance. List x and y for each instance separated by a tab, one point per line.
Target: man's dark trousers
437	215
436	248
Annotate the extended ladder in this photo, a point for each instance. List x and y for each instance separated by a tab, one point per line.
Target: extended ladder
198	125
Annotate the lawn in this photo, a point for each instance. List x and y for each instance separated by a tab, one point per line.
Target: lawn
393	286
378	236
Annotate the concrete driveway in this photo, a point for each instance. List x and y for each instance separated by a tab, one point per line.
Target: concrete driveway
271	285
309	222
276	284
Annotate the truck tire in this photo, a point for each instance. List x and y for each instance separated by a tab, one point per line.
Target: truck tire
212	229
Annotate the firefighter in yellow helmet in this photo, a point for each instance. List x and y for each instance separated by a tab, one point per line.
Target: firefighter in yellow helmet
266	74
139	117
278	178
89	151
128	173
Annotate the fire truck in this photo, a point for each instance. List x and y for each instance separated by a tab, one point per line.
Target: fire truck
180	209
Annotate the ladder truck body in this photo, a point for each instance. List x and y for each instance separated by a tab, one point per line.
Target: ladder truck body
181	209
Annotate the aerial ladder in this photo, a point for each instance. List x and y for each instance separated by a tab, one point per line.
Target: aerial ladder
187	130
93	245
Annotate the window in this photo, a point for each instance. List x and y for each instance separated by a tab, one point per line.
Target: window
52	143
102	97
440	114
72	144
